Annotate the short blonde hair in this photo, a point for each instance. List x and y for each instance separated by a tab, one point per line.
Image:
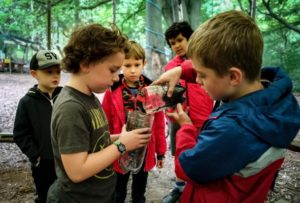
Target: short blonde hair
230	39
135	51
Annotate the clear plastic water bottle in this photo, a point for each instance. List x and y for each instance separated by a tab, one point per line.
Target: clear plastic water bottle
133	160
156	99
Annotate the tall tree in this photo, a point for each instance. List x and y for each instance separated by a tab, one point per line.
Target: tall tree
154	39
182	10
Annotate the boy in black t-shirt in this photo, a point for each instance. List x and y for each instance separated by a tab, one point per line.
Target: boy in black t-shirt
82	145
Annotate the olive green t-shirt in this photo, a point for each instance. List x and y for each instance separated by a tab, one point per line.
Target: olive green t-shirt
79	125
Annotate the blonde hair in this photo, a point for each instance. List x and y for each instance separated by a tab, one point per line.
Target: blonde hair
230	39
135	51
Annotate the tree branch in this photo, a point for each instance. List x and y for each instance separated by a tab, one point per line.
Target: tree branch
54	4
95	5
241	5
278	18
141	7
275	29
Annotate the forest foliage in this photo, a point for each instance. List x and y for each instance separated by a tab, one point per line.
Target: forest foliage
28	20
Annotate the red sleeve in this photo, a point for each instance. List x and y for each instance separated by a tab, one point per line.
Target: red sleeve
107	105
186	138
188	73
159	133
170	65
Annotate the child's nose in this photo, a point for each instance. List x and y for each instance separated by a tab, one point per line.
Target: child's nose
177	44
116	78
132	69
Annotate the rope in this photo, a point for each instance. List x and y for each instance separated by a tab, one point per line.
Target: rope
155	5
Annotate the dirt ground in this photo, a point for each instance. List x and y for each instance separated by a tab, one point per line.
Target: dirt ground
16	184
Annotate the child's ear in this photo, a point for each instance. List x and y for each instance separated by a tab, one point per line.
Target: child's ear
236	76
145	62
33	73
84	66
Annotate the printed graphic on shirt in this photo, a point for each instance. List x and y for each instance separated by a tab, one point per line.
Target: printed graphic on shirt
100	127
102	142
98	118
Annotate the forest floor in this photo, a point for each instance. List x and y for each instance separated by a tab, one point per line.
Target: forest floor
16	183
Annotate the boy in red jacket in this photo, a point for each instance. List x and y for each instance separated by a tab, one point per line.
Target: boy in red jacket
199	103
117	102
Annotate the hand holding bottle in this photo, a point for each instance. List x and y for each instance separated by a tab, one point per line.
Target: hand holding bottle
135	139
180	116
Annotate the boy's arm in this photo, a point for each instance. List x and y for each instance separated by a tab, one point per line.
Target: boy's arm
171	64
172	76
218	151
82	165
184	142
188	73
159	133
23	135
72	141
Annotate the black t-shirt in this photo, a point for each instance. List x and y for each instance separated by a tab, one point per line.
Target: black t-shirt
79	125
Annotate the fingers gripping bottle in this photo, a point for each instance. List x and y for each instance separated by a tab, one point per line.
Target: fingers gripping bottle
133	160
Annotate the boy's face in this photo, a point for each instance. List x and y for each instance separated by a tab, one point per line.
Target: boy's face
179	45
101	75
217	87
132	70
48	79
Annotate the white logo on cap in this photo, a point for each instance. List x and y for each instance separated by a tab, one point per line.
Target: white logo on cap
49	55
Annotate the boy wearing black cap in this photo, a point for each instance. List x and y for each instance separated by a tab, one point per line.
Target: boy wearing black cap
33	117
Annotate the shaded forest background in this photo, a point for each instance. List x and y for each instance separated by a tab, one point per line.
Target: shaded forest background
29	25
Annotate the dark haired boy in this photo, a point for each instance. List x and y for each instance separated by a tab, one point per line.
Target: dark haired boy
198	102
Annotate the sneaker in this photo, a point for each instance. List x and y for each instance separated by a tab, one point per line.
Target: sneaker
173	196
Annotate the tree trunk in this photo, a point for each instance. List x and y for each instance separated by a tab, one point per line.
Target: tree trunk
114	11
184	10
49	24
154	40
191	12
253	9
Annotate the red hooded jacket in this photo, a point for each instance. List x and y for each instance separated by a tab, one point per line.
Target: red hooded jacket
114	110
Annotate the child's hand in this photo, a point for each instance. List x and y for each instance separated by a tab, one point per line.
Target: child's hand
171	77
180	116
160	163
135	139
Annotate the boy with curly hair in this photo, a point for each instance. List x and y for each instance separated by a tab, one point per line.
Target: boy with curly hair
83	148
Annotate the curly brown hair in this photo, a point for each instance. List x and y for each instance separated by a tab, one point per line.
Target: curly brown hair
92	43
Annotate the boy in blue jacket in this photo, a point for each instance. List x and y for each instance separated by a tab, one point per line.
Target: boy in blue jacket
241	147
